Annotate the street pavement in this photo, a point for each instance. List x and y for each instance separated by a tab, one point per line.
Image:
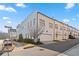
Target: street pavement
74	51
60	48
35	51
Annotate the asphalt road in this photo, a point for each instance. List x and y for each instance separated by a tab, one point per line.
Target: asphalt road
61	46
18	44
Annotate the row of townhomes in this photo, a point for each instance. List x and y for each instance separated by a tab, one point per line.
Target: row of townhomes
38	25
12	33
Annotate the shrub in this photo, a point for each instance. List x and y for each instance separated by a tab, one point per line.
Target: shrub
20	38
38	42
27	40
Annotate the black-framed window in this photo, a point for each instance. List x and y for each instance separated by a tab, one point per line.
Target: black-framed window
42	22
56	26
50	25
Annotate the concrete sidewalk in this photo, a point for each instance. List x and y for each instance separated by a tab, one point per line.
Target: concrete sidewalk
74	51
35	51
1	41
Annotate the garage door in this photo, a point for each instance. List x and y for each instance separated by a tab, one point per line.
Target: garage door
46	38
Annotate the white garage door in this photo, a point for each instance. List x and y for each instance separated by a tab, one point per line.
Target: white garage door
46	38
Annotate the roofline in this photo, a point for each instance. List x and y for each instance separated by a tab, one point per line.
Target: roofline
58	21
25	19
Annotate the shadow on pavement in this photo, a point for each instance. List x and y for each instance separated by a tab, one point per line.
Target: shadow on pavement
1	52
61	46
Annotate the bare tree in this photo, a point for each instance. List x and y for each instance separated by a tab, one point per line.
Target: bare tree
35	32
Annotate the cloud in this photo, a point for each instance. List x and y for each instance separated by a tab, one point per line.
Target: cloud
5	8
5	18
20	5
3	29
77	15
9	22
66	20
73	19
69	5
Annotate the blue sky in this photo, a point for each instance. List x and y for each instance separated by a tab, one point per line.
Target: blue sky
14	13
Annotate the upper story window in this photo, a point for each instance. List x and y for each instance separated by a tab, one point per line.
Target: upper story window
42	22
50	25
56	26
67	29
30	23
61	28
33	21
64	28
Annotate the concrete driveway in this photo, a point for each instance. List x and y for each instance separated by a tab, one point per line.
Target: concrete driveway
35	51
1	41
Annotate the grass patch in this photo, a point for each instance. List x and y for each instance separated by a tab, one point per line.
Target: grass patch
56	40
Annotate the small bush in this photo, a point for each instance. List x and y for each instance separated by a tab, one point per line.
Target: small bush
28	41
20	38
56	40
38	42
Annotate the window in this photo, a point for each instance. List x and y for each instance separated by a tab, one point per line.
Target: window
30	23
61	28
67	29
42	22
56	26
34	22
50	25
